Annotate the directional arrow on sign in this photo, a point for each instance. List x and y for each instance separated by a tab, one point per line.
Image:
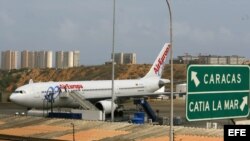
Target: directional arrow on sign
194	77
244	103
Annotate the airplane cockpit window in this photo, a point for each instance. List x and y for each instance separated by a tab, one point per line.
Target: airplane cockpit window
19	92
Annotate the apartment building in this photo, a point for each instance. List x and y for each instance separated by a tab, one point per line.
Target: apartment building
9	60
125	58
67	59
210	59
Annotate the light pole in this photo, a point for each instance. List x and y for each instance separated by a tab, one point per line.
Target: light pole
73	125
171	133
113	65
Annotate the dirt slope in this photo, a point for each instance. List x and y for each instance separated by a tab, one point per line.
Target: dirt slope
9	81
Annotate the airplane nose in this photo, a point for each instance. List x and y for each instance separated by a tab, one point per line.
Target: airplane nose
12	97
19	99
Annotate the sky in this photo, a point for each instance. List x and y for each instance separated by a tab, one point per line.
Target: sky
209	27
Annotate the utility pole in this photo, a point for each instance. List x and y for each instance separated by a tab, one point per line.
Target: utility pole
113	66
171	133
73	125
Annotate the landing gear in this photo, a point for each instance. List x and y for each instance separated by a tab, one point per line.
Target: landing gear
119	111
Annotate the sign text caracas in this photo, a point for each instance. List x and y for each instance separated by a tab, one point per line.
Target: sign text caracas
217	92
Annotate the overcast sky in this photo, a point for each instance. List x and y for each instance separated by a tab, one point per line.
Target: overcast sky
217	27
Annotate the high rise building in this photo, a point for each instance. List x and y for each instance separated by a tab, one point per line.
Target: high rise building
59	59
40	59
125	58
31	62
129	58
118	58
43	59
9	60
2	60
48	59
76	60
14	55
67	59
25	59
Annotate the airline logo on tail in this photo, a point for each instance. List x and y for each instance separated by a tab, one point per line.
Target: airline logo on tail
161	61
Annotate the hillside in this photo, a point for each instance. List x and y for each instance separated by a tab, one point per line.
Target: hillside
10	80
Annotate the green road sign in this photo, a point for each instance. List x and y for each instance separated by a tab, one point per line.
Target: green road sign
217	92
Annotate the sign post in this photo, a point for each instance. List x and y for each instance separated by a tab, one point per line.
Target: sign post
217	92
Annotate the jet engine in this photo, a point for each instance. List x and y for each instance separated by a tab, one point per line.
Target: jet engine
105	105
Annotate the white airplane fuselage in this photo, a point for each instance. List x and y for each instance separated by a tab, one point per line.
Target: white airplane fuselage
34	94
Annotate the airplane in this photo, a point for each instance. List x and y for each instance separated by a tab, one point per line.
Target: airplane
34	95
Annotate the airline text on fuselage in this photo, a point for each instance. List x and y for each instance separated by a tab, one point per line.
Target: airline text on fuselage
71	86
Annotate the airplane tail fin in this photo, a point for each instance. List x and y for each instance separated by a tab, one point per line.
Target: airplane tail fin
157	69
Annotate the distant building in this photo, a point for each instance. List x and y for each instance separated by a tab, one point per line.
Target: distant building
67	59
129	58
76	60
247	62
48	59
31	62
43	59
118	58
210	59
59	59
2	60
39	59
236	59
9	60
185	59
27	59
125	58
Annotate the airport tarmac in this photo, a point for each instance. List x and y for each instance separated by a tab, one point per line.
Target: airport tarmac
163	106
11	108
23	127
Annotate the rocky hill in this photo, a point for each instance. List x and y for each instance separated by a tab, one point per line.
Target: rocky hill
10	80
